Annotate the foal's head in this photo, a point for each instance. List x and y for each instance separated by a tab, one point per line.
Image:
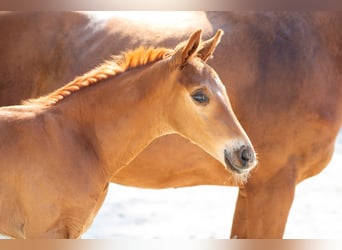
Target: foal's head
199	109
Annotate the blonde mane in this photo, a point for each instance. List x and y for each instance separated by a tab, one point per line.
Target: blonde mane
118	64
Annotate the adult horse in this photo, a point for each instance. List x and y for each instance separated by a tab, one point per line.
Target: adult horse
282	72
59	152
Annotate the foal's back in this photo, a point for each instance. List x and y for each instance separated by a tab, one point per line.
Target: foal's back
19	132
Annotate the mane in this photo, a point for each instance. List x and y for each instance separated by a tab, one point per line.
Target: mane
116	65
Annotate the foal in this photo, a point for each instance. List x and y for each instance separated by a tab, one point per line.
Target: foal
59	152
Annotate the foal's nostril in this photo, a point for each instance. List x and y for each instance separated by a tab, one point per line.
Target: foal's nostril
240	160
246	155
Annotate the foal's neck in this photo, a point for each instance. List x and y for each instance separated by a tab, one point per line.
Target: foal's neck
124	112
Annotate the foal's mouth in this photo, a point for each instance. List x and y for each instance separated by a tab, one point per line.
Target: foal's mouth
232	167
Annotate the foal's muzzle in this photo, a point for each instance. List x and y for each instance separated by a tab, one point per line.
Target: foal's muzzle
241	160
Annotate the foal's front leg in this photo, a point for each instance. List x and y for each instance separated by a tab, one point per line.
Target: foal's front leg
72	222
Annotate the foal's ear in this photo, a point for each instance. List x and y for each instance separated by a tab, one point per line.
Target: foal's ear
188	49
209	46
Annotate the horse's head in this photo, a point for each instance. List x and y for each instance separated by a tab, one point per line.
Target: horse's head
199	108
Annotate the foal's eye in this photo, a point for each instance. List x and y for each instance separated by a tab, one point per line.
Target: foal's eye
200	97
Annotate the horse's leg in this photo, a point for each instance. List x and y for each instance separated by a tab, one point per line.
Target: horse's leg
262	208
